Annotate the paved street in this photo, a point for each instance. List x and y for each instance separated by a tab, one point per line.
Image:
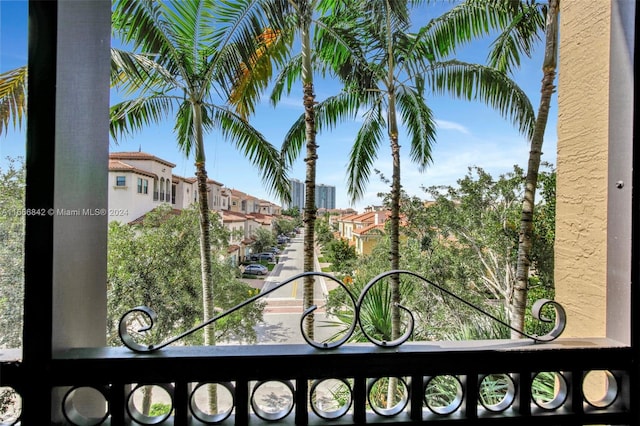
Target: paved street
284	305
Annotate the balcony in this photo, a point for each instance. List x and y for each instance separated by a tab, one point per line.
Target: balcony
64	359
299	370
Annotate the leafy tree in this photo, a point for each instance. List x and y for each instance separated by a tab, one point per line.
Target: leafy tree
293	212
156	264
324	234
12	215
285	225
477	221
263	239
341	255
192	51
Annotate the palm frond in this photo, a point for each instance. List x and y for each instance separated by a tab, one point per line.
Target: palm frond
364	152
289	73
129	116
518	37
13	97
253	145
134	72
418	118
495	88
143	24
465	22
328	114
252	78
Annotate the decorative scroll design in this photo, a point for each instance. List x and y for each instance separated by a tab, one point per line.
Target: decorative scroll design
130	342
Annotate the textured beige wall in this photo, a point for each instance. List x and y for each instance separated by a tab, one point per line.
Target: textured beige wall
581	232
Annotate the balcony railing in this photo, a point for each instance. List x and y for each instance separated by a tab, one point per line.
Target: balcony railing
339	383
293	376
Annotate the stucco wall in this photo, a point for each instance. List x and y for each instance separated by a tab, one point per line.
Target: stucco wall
583	127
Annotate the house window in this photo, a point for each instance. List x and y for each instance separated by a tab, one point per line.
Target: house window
168	193
121	181
145	186
155	190
161	189
139	185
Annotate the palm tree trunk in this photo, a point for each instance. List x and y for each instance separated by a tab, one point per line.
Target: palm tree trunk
309	217
205	242
519	300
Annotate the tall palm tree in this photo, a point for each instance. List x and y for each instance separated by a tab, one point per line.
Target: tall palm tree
13	97
519	25
191	54
385	70
305	17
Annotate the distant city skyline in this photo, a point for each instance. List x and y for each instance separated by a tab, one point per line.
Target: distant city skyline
325	195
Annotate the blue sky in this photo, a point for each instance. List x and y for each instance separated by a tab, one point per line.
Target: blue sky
469	133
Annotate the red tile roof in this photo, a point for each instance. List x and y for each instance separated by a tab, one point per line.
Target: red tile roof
137	155
119	166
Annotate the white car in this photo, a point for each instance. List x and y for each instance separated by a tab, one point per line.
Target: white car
256	269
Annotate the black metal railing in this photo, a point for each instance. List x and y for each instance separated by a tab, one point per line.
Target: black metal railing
292	375
471	382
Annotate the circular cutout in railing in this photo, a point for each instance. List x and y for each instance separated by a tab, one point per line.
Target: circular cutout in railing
150	404
443	394
200	402
600	388
496	392
272	400
549	390
330	398
85	406
10	406
387	396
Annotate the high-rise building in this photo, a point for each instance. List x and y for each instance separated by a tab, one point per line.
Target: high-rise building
297	194
325	196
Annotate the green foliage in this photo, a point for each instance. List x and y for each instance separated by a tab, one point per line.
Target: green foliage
341	255
324	234
477	222
159	409
285	225
12	220
263	239
293	213
157	264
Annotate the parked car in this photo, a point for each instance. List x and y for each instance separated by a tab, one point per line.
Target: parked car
274	250
256	269
263	256
282	239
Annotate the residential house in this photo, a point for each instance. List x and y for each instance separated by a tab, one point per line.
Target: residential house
363	230
184	191
138	182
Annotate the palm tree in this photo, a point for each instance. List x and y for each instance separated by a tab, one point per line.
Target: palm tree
13	97
191	54
385	70
303	132
519	24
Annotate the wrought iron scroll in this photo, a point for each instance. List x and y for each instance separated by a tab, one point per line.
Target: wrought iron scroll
152	317
558	328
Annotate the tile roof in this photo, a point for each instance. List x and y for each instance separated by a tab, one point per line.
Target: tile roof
138	155
119	166
140	220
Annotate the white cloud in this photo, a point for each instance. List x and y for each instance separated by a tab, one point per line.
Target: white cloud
450	125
